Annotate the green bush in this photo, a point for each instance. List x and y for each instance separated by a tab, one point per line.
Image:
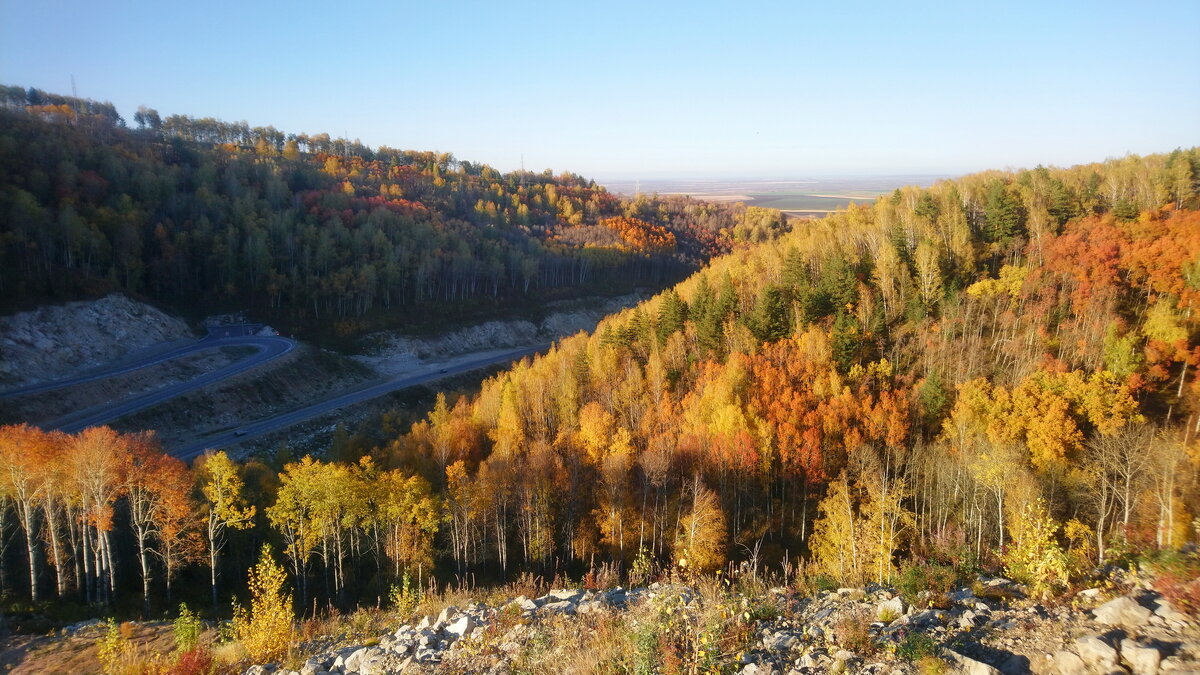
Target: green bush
916	646
187	628
405	598
916	577
824	582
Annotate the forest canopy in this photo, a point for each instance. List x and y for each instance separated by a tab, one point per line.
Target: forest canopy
309	229
996	372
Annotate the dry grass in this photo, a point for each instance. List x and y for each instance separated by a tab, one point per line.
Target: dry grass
852	631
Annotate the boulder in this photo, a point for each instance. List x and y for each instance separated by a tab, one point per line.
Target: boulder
360	658
890	610
447	615
928	617
562	607
571	595
460	627
1068	663
1142	659
1164	610
842	661
780	642
1097	654
967	665
1122	612
525	604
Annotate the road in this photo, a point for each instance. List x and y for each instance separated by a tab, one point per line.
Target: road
269	348
263	427
219	336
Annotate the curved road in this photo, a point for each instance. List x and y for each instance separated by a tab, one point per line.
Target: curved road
269	347
265	426
222	336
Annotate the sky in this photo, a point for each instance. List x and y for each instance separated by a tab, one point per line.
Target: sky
649	90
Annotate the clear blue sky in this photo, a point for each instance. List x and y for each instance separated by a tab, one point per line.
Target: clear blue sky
613	89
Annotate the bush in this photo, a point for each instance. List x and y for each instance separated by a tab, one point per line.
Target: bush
405	598
110	647
853	631
916	577
824	582
1177	577
197	661
267	629
187	628
916	646
1034	557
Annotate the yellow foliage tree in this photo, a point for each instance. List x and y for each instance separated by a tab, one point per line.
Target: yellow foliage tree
267	628
700	544
1034	557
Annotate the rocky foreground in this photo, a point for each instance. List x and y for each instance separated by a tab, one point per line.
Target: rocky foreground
990	627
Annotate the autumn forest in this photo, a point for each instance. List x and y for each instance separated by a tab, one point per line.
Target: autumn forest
995	372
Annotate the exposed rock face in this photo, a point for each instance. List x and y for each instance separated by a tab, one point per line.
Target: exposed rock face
393	354
970	635
54	341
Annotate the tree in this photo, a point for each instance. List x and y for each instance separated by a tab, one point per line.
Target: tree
700	542
174	520
300	514
267	628
221	486
772	317
24	455
97	458
1003	214
145	462
1035	557
835	539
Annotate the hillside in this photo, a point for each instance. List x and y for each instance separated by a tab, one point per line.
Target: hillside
932	375
981	394
314	233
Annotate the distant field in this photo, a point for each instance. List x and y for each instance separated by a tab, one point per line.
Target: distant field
810	197
795	201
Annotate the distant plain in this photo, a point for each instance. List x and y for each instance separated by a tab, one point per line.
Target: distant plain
801	197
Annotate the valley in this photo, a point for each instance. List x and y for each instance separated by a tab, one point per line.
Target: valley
599	339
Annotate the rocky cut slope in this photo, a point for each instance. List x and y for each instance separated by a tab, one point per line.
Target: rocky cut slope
54	340
988	628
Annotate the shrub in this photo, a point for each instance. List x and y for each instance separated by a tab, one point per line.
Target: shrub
1081	552
405	598
916	577
196	661
888	615
1034	558
824	582
1177	577
916	646
187	628
642	570
852	631
932	665
266	629
110	647
119	655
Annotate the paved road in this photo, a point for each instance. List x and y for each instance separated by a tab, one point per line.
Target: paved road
220	336
262	427
269	348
